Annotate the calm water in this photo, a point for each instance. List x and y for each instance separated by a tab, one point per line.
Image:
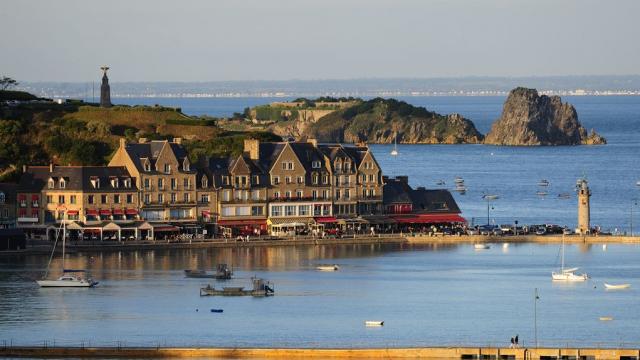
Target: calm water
426	295
511	172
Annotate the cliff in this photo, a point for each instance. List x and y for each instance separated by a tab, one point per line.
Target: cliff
381	120
529	119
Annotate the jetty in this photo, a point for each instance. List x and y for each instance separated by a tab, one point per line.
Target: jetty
440	353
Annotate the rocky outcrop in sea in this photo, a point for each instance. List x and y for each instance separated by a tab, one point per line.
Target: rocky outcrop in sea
529	119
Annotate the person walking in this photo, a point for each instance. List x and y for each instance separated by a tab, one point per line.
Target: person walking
512	343
516	340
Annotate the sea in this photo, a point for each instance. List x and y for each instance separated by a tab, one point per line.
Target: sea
512	173
427	294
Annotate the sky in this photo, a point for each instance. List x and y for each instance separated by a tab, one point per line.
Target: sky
220	40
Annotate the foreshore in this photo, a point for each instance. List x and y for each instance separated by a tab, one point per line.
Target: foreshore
84	246
300	353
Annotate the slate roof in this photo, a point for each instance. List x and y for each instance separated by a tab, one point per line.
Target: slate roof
76	177
151	150
398	191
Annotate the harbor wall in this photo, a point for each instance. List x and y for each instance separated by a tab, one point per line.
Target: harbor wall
543	239
300	353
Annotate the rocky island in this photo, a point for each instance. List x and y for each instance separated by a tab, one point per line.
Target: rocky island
529	119
383	120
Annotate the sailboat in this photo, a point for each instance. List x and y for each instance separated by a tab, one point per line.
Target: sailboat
567	274
394	152
69	278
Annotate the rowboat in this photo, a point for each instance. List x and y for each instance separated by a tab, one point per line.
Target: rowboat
328	268
616	287
373	323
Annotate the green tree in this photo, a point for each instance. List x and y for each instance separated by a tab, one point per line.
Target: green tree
7	82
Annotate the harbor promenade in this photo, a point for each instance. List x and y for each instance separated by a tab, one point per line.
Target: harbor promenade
488	353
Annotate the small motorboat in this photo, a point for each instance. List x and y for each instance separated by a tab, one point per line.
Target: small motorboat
542	193
216	310
373	323
481	246
606	318
490	197
333	267
543	182
222	273
616	287
458	180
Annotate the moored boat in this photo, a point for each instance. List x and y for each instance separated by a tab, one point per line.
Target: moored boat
567	274
374	323
333	267
616	287
481	246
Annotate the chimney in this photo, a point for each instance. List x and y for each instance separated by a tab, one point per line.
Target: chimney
403	179
142	140
177	140
51	166
123	142
252	146
313	142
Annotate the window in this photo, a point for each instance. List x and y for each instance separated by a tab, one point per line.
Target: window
276	180
161	184
49	199
256	180
63	184
325	179
116	199
290	210
287	179
51	184
103	199
276	194
228	211
129	198
315	178
72	199
314	194
115	183
364	178
127	183
204	198
347	166
185	165
326	210
284	165
174	184
299	194
290	166
287	194
186	197
173	197
60	199
204	182
95	182
160	198
147	184
2	198
317	210
347	194
167	168
303	210
90	199
300	179
371	178
325	194
276	211
256	211
186	182
147	165
147	198
255	195
337	194
226	195
315	165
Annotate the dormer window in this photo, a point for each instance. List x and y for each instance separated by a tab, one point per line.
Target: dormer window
347	166
63	184
205	182
51	184
167	168
2	198
315	165
185	165
127	183
95	182
115	183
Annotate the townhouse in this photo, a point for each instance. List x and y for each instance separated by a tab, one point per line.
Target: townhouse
8	205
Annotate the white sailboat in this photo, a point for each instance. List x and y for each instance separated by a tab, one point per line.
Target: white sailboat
567	274
394	152
69	278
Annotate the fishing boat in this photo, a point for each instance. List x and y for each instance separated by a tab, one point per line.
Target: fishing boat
481	246
328	268
70	277
567	274
222	273
373	323
261	287
616	287
394	152
543	182
458	180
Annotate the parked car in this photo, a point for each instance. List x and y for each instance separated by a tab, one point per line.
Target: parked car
473	231
567	231
506	229
541	231
490	230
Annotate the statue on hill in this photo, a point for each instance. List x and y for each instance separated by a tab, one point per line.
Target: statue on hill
105	91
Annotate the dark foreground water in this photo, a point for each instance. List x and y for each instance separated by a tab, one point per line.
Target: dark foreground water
427	295
510	172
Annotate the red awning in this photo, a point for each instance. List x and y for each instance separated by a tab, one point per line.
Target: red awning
131	212
242	222
105	212
429	219
165	228
326	219
22	197
35	197
206	213
72	212
92	212
118	212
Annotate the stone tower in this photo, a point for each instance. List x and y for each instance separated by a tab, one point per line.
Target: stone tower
584	211
105	91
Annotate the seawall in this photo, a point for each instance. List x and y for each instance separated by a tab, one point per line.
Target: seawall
300	353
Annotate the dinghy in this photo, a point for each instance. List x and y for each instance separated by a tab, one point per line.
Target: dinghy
616	287
373	323
328	268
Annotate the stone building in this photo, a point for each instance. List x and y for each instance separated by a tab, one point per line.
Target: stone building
8	205
167	181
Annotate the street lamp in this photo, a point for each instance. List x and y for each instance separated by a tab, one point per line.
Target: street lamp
535	315
634	201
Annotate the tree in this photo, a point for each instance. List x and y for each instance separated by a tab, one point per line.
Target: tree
7	82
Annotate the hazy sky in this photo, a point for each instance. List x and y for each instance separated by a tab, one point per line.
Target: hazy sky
209	40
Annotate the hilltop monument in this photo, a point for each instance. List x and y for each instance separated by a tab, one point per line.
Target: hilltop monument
584	211
105	91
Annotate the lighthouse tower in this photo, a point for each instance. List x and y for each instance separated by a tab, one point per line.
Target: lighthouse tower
584	211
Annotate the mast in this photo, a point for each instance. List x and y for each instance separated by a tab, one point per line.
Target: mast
562	256
64	239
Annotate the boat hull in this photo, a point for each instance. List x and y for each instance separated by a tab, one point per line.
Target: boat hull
617	287
569	277
66	283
